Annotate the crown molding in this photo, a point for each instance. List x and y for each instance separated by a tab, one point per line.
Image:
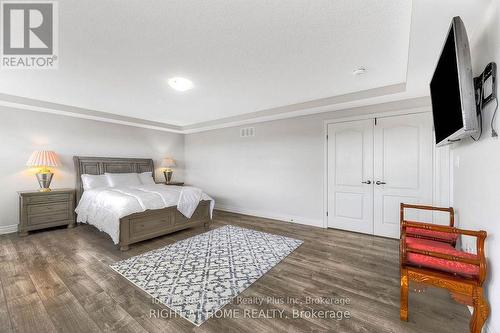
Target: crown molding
24	103
323	105
295	110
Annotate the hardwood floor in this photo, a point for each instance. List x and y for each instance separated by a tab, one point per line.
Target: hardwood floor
59	281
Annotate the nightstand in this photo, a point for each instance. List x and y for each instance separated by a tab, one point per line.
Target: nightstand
171	183
39	210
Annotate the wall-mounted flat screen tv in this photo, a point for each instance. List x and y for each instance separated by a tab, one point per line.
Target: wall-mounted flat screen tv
452	88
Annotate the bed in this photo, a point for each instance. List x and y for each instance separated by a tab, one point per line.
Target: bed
149	223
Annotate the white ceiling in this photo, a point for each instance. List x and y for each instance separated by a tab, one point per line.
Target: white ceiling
247	59
243	56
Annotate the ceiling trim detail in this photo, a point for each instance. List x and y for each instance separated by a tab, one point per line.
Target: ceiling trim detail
72	111
289	111
295	110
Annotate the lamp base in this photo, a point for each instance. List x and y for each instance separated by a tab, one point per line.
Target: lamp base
44	180
168	175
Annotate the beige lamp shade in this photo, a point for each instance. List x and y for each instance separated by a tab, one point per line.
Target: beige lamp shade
43	158
168	162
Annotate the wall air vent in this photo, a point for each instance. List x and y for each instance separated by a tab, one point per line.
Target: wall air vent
246	132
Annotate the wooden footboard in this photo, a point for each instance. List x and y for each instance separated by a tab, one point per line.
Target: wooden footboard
153	223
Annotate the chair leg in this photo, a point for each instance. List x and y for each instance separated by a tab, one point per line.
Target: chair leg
481	310
403	310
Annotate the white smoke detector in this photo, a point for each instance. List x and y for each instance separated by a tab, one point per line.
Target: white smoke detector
359	71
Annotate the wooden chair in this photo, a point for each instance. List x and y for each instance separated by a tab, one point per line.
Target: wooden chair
428	260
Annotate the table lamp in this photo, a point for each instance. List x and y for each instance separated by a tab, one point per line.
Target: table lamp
43	159
167	165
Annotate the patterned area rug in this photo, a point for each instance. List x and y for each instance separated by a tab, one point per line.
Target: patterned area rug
199	275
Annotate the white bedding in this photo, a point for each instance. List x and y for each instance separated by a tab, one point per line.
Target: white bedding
104	207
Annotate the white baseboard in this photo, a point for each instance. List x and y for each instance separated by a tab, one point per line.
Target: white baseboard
8	229
272	216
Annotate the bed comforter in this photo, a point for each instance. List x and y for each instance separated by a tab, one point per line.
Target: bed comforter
104	207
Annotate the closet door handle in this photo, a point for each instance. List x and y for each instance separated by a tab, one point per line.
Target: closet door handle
379	182
367	182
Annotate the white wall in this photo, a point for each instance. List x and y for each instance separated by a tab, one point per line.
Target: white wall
279	173
22	132
477	170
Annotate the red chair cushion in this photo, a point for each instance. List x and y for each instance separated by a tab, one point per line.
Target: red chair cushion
445	236
444	265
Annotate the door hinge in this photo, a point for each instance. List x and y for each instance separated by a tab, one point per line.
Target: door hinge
327	136
375	121
326	213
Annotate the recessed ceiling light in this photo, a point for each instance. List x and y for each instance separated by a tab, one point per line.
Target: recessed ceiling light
180	83
359	71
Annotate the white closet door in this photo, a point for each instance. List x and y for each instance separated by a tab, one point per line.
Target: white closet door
350	163
402	169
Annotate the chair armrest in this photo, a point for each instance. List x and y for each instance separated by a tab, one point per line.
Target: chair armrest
450	210
442	228
424	207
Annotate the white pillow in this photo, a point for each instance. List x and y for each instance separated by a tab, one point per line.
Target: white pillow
146	178
91	182
123	179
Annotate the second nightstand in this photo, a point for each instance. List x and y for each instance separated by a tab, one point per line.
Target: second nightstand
39	210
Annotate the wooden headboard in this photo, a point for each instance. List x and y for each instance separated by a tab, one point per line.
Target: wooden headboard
101	165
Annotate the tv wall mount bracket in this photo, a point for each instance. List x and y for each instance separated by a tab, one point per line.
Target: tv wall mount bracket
479	85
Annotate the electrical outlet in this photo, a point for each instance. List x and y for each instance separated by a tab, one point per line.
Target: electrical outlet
470	249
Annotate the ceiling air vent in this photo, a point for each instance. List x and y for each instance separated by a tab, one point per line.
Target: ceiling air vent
246	132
